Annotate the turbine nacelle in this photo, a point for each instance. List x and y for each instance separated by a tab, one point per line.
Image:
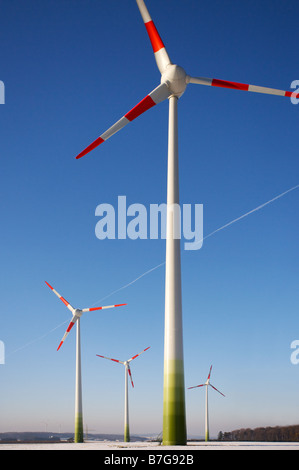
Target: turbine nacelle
175	78
78	313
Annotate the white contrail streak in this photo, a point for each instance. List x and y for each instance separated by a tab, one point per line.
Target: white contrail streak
251	212
130	283
162	264
204	238
37	339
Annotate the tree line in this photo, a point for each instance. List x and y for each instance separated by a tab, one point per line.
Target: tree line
266	434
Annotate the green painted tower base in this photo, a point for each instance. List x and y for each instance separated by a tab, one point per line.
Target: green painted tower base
174	415
127	434
79	436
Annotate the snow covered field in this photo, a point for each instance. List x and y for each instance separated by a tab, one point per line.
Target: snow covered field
110	446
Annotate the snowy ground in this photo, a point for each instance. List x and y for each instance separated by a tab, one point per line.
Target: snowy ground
110	446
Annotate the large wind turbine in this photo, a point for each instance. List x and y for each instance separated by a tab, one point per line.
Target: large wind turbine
77	314
127	372
207	384
174	81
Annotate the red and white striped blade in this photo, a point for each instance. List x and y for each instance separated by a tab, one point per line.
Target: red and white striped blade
101	308
196	386
130	374
61	298
134	357
161	55
110	359
241	86
217	390
209	376
74	319
158	95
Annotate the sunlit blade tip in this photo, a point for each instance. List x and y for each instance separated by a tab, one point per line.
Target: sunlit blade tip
91	147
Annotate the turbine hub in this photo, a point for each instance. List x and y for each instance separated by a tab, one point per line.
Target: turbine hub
176	79
78	312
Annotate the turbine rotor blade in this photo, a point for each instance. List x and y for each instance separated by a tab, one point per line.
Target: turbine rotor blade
217	390
134	357
209	376
101	308
161	55
73	321
66	303
241	86
158	95
196	386
130	374
110	359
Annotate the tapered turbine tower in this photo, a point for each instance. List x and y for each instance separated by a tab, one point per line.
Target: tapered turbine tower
174	81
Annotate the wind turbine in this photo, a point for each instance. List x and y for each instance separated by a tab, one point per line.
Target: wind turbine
77	314
207	384
174	81
127	373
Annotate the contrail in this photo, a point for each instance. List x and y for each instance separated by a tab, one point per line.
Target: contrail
37	339
204	238
130	283
252	211
162	264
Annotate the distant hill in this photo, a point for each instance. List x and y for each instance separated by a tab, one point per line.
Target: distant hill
6	437
266	434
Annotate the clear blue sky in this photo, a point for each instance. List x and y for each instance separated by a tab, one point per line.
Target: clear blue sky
71	69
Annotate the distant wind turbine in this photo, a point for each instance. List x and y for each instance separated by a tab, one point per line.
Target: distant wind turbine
77	314
127	372
207	384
